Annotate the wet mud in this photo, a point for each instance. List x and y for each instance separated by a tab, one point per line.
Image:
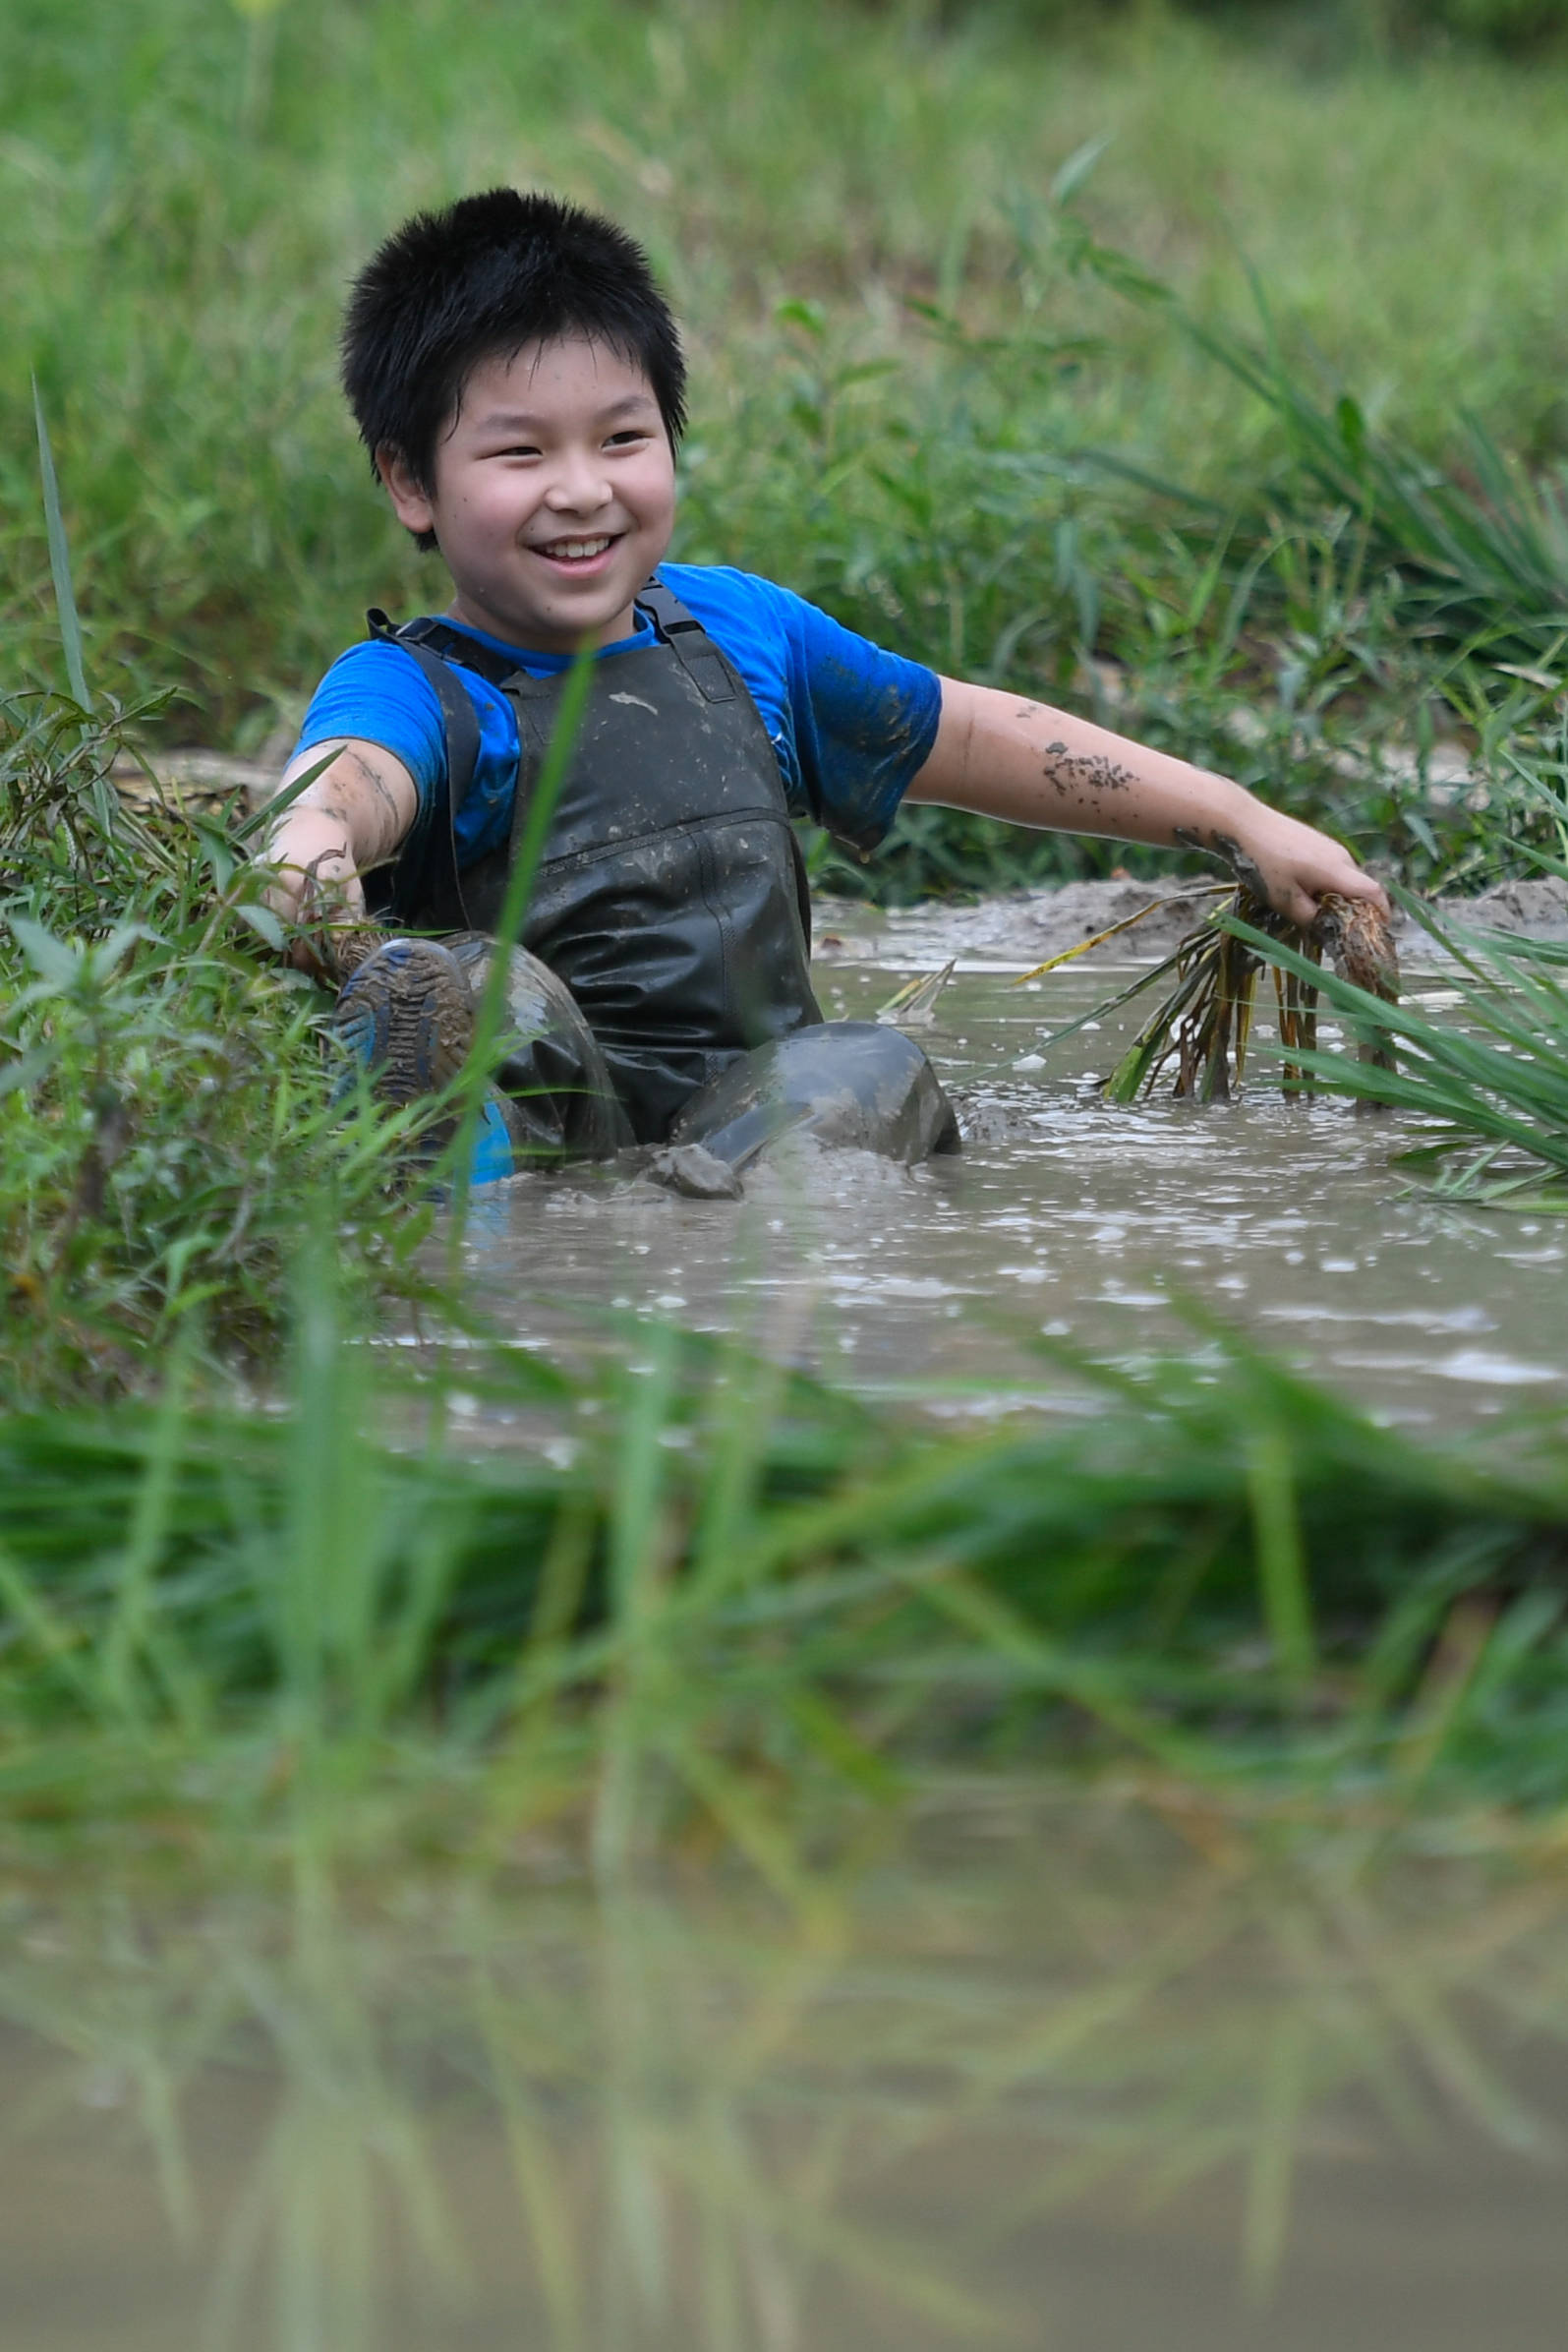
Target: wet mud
1026	926
1064	1221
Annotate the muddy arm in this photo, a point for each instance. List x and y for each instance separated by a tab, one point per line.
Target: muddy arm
1004	756
353	816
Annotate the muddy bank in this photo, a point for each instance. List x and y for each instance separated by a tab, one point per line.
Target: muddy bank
1025	926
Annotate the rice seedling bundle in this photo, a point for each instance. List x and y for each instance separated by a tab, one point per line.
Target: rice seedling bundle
1205	1019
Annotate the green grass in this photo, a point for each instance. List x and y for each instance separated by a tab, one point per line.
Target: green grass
165	1107
733	1595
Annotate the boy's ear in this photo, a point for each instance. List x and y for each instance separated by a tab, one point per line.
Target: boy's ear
410	504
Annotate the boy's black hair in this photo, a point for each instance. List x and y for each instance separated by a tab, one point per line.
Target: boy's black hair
487	275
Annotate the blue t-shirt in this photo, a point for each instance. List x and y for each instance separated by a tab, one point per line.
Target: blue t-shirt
850	724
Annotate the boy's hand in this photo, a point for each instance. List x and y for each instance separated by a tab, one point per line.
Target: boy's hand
1289	865
315	885
354	815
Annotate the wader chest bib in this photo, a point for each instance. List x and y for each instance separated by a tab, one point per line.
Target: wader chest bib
671	897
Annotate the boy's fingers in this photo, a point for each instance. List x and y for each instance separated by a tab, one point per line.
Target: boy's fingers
1350	884
1295	905
1357	885
1299	900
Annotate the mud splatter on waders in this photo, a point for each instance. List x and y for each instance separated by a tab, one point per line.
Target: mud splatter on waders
661	991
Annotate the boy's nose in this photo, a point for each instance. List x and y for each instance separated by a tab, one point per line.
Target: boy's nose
580	487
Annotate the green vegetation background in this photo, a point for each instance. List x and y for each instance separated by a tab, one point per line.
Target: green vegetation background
905	376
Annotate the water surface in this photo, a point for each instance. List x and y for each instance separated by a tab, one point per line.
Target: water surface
1065	1217
1050	2078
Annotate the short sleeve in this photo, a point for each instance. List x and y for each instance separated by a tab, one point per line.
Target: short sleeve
378	693
851	724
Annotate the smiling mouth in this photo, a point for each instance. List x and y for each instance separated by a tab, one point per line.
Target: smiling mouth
575	550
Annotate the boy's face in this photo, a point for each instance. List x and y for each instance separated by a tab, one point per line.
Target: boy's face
553	498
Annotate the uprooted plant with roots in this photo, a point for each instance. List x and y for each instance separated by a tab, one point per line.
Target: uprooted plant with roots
1205	1019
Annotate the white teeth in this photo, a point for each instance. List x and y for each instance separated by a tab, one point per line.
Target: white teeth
572	549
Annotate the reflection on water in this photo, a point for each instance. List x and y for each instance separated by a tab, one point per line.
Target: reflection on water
1053	2080
1065	1216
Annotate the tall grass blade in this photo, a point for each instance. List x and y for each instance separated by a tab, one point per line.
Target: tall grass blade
270	811
1281	1561
1286	2090
636	1567
490	1011
133	1633
60	559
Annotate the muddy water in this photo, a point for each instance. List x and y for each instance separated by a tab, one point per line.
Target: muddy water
1052	2087
1065	1219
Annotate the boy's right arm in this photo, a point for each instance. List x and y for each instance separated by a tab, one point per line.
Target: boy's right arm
355	815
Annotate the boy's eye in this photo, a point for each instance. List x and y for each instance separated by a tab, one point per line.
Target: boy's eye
622	439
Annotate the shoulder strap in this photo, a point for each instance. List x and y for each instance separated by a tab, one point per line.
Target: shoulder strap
666	611
704	662
720	680
433	646
462	749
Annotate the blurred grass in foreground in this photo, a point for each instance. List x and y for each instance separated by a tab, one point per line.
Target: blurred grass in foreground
978	2071
640	1767
697	1587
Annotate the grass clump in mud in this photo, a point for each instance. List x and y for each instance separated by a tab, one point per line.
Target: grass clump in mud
1489	1088
164	1102
1487	1084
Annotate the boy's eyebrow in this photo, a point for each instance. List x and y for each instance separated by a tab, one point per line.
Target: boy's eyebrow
512	420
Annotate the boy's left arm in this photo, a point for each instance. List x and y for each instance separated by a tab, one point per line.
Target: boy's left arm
1002	755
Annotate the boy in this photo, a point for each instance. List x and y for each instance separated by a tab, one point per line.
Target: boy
519	380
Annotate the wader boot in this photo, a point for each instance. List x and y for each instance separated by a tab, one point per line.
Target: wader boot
552	1073
844	1082
670	903
406	1015
404	1021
